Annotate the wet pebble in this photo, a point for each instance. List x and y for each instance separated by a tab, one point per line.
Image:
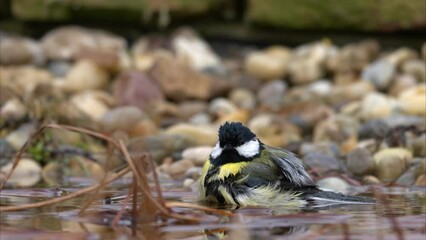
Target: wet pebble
391	163
179	82
379	73
360	162
178	169
194	51
370	180
26	174
201	135
159	146
92	103
123	118
13	109
18	137
17	50
137	89
221	106
271	95
333	183
402	82
321	163
84	75
376	128
268	64
421	180
412	100
415	68
408	178
376	106
198	155
243	98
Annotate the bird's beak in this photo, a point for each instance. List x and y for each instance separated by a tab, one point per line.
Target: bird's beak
228	147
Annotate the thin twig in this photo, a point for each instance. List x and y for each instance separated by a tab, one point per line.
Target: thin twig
66	197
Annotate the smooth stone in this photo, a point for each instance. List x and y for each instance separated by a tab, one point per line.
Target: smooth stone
201	119
353	57
94	104
26	174
327	148
421	167
243	98
416	68
82	167
370	180
268	64
408	178
18	137
412	100
194	51
201	135
13	109
334	183
306	115
360	162
84	75
391	163
321	88
188	182
52	173
336	128
6	152
180	82
350	92
178	169
66	137
271	94
188	109
67	42
59	68
136	88
376	106
321	163
145	127
421	180
24	79
159	146
198	155
240	115
221	106
193	173
376	128
402	82
123	118
380	73
274	131
417	144
17	50
405	121
306	63
401	55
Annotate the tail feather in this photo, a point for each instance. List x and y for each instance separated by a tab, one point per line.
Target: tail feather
339	198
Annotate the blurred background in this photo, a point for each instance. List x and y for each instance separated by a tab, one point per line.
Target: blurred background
306	75
339	83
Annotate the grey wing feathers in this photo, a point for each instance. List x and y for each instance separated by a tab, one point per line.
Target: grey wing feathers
291	167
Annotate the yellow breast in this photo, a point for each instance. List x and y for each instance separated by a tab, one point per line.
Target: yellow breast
230	169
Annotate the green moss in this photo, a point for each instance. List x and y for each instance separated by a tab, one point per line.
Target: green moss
334	14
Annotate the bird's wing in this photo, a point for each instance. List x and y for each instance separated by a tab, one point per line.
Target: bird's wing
291	167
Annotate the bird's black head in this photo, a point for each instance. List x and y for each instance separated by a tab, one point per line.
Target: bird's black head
234	134
236	144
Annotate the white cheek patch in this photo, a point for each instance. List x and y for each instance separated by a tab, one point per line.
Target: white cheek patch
249	149
217	150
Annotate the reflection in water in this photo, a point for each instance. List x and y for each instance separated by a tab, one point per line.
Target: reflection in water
405	207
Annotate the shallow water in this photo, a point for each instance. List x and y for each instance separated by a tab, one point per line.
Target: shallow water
403	217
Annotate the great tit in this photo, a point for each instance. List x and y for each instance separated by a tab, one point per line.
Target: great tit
241	170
